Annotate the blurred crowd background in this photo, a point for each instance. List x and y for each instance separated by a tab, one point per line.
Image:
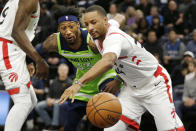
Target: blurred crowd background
166	28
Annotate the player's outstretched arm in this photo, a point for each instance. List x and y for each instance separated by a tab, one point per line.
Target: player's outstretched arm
22	19
102	66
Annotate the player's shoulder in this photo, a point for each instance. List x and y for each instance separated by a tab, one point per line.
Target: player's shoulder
52	38
114	23
115	32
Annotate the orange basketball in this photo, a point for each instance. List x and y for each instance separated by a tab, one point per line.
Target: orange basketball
104	110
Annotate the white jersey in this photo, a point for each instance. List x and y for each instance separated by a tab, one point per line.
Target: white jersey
135	65
7	19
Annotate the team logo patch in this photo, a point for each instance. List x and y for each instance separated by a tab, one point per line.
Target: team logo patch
13	76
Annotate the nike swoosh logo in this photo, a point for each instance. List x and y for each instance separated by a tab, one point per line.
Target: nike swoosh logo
158	83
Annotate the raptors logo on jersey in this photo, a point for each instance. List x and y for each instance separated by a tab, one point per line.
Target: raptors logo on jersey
13	77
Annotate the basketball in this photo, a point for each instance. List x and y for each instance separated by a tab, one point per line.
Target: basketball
104	110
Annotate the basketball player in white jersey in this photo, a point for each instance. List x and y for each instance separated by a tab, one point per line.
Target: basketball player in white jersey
147	85
18	21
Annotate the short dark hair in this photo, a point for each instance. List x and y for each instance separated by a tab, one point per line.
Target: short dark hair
66	11
97	8
172	29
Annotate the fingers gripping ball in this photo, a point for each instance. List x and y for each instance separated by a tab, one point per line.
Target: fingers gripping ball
104	110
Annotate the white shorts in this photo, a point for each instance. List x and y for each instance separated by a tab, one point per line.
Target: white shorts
156	98
13	71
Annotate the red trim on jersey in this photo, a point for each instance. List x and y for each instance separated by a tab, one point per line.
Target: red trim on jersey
180	128
34	16
100	46
17	90
133	58
138	61
5	53
14	91
116	33
5	40
132	124
122	57
159	72
28	84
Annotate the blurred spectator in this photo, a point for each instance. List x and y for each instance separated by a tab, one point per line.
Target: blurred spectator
130	18
157	26
173	51
189	96
54	59
179	25
55	91
145	7
188	56
153	13
152	45
40	93
190	67
190	18
125	4
139	15
37	83
45	25
112	11
191	46
185	5
178	74
172	16
181	70
85	3
142	28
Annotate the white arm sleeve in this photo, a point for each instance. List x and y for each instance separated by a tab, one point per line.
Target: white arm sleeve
113	43
113	22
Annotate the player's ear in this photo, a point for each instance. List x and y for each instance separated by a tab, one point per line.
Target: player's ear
105	20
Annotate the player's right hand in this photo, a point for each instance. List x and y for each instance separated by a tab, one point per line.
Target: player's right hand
42	69
71	91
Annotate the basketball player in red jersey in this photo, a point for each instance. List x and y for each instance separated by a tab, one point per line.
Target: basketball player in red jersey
147	85
18	21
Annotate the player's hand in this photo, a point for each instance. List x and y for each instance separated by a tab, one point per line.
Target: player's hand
50	101
189	102
112	87
42	69
71	91
31	69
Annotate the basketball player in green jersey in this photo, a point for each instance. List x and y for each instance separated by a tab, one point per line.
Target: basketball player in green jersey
74	43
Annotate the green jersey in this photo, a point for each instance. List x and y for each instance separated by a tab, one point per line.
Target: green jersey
83	59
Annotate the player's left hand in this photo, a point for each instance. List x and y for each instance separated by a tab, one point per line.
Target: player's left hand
112	87
31	69
71	91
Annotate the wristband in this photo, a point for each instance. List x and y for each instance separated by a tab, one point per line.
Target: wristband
79	83
117	78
